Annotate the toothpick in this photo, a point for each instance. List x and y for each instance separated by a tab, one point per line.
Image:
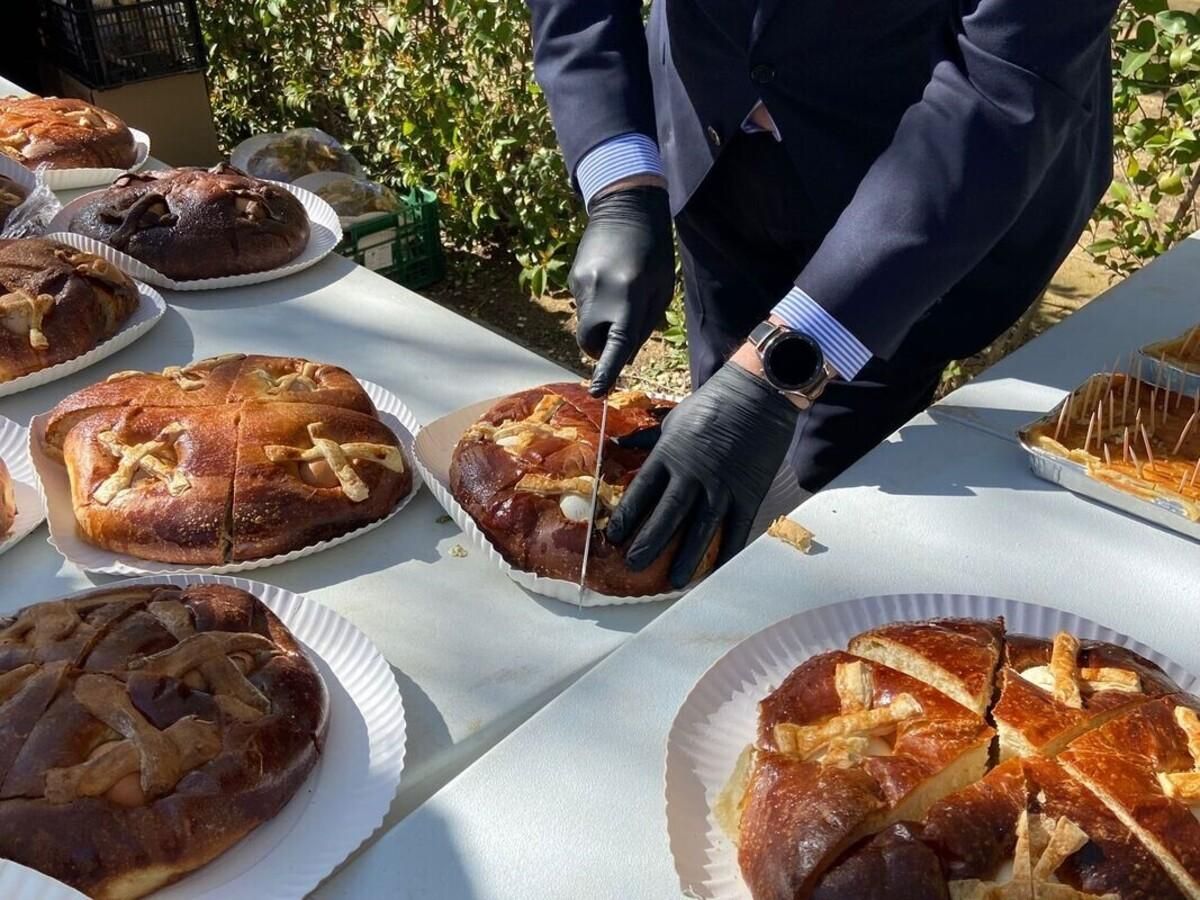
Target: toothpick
1195	472
1188	342
1149	452
1125	446
1153	407
1183	434
1137	465
1182	481
1137	393
1111	412
1107	455
1196	402
1166	399
1100	418
1087	398
1091	428
1125	397
1062	418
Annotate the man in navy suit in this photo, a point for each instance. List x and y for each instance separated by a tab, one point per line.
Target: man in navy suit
863	191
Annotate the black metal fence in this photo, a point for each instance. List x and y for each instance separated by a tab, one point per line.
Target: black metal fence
105	43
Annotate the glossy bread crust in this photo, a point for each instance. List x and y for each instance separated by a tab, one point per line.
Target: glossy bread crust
8	503
56	303
111	845
64	133
198	223
530	529
235	502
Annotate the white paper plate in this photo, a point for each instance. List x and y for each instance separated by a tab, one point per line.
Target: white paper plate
149	310
325	233
71	179
20	883
348	793
720	715
64	536
27	489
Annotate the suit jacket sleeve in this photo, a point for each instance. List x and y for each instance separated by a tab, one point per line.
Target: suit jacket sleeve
1011	88
590	58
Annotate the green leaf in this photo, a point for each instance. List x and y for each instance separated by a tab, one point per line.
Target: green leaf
1171	183
1180	57
1096	248
1120	192
1177	22
1134	61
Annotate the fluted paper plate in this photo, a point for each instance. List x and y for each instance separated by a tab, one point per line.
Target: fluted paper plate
65	538
27	489
351	789
150	309
73	179
20	883
325	233
720	716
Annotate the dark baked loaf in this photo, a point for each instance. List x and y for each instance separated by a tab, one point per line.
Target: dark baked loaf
198	223
8	502
64	133
56	303
525	471
12	195
146	730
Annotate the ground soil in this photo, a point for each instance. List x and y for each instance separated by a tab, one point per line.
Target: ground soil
486	288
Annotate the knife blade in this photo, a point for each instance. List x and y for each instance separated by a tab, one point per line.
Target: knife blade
587	543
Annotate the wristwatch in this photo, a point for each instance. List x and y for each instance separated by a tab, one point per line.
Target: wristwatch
792	361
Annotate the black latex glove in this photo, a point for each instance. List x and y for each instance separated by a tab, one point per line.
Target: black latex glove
715	459
622	278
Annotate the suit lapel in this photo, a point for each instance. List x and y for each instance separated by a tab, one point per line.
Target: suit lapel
765	10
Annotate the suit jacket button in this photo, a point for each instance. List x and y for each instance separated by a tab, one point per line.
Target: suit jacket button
714	136
762	74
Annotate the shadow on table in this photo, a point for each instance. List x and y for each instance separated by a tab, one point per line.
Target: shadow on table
927	459
628	618
1001	423
312	279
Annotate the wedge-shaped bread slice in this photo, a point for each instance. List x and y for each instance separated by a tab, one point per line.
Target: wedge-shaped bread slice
847	747
974	830
1138	765
956	656
155	483
894	863
202	383
1054	691
309	473
288	379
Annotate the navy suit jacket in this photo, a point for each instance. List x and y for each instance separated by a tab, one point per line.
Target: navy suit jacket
952	150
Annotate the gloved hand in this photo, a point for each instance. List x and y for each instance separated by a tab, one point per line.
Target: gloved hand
622	278
718	453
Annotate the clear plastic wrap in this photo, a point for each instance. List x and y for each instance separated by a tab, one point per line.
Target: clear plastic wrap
35	204
294	154
353	199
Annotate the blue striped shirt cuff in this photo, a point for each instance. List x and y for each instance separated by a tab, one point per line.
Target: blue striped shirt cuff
840	347
619	157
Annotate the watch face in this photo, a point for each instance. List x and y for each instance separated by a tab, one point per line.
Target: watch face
793	362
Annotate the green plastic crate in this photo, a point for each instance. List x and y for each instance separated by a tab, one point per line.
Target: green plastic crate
405	246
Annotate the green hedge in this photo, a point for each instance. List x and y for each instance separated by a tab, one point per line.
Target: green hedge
441	93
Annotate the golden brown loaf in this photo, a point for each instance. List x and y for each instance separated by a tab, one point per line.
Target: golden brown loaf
198	223
874	775
146	730
56	303
8	503
64	133
231	458
525	470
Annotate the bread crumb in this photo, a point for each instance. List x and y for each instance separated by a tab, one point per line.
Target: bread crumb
792	533
458	551
443	520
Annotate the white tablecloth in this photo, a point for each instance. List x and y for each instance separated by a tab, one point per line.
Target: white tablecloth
572	804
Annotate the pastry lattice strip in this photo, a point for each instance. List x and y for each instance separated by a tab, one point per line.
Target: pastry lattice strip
190	377
193	740
1069	680
805	740
24	313
580	485
1185	786
144	457
208	653
340	458
306	378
